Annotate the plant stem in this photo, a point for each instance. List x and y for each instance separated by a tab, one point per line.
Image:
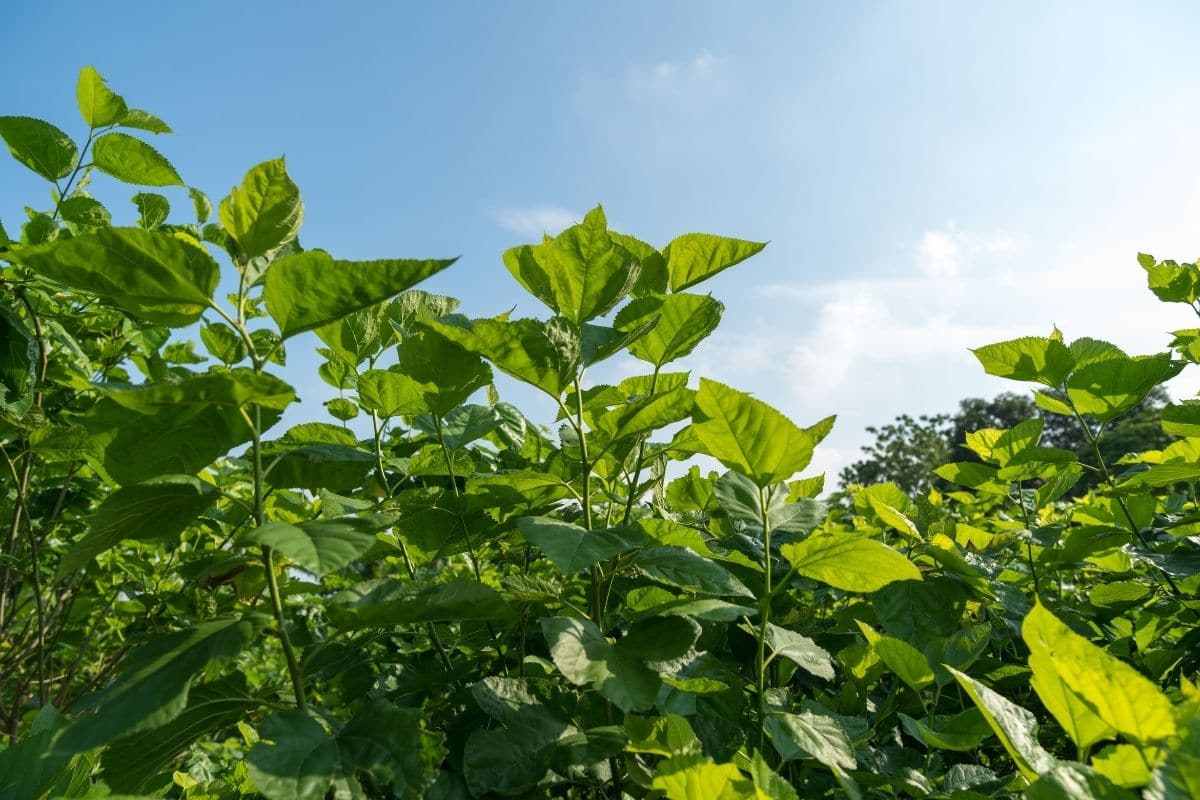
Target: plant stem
1094	441
1037	591
288	652
764	613
586	470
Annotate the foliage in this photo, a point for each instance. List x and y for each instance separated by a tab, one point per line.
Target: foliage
451	600
908	450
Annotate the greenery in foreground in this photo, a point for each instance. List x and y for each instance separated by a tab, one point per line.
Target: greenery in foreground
195	603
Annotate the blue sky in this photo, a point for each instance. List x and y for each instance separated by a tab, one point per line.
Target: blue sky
931	176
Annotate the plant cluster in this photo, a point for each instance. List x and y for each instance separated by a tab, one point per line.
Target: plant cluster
428	594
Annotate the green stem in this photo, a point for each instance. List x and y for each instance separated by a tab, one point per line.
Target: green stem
764	613
1037	590
586	469
1094	441
637	464
289	652
408	565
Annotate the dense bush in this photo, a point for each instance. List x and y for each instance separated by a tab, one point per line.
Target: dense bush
464	603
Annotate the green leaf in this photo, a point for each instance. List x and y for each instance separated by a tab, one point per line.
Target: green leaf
811	735
134	447
265	212
299	760
1073	713
849	562
694	777
661	736
695	257
163	278
1069	781
747	435
800	650
678	566
572	548
386	604
506	762
234	388
223	342
132	761
542	354
1115	691
159	510
39	145
201	204
83	210
585	657
18	363
660	638
581	273
152	686
310	289
1171	282
962	732
448	374
30	765
1032	358
98	104
683	321
143	121
302	762
1107	389
391	394
133	161
337	467
904	660
1014	726
979	477
153	209
319	546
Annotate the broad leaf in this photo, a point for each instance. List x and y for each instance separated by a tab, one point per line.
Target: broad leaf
159	510
747	435
152	686
683	321
1032	358
319	546
574	549
310	289
265	212
695	257
385	604
133	161
811	735
1014	726
163	278
39	145
585	657
678	566
542	354
1115	691
800	650
1107	389
581	273
98	104
448	374
848	562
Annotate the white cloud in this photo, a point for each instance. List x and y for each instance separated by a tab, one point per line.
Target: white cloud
533	222
872	348
686	79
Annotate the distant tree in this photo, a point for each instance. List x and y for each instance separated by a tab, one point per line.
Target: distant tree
908	450
905	452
